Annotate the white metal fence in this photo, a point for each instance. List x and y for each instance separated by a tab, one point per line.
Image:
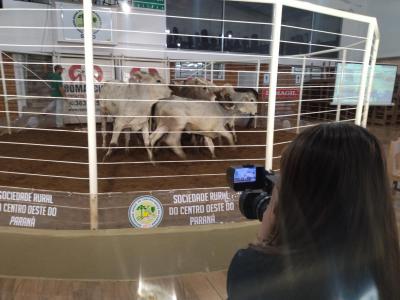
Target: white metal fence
294	91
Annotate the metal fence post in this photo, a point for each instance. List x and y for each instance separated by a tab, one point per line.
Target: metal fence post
91	112
273	69
370	81
339	105
257	87
364	73
5	97
303	70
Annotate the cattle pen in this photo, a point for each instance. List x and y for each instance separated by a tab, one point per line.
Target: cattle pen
293	58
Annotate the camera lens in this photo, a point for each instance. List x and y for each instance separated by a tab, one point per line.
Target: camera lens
253	204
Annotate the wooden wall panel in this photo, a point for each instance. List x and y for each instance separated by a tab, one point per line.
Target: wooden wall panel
11	88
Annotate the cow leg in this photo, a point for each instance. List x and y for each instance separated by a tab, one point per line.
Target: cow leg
196	141
209	143
157	134
231	126
251	121
174	140
127	140
193	139
118	126
136	139
103	129
228	136
234	134
146	140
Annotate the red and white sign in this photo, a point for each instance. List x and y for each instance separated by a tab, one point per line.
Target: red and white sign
75	86
283	93
131	66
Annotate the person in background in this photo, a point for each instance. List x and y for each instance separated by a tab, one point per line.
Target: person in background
58	95
330	231
204	40
228	41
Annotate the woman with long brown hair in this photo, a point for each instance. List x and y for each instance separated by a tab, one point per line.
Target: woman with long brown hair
330	230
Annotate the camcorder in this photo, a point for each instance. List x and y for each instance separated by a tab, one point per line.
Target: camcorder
256	185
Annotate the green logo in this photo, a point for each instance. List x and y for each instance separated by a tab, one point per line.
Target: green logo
79	23
145	212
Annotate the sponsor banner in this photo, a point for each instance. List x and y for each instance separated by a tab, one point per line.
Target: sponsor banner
75	86
283	93
27	208
169	208
70	19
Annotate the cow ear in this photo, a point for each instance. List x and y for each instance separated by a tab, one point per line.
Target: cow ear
153	72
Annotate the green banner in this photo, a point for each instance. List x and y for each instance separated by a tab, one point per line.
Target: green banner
149	4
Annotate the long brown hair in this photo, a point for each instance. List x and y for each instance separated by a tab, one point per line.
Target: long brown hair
335	201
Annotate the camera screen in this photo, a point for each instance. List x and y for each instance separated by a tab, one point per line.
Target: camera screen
244	175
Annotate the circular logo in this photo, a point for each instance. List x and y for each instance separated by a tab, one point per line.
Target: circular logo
145	212
78	21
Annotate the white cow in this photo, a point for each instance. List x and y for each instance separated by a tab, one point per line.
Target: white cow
209	91
208	119
131	105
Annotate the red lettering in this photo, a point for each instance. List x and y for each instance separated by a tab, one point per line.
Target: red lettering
76	72
283	93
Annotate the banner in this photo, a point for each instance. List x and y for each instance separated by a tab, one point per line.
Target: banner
39	209
169	208
283	93
70	18
75	86
28	208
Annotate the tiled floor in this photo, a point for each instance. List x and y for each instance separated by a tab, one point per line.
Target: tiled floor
193	286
